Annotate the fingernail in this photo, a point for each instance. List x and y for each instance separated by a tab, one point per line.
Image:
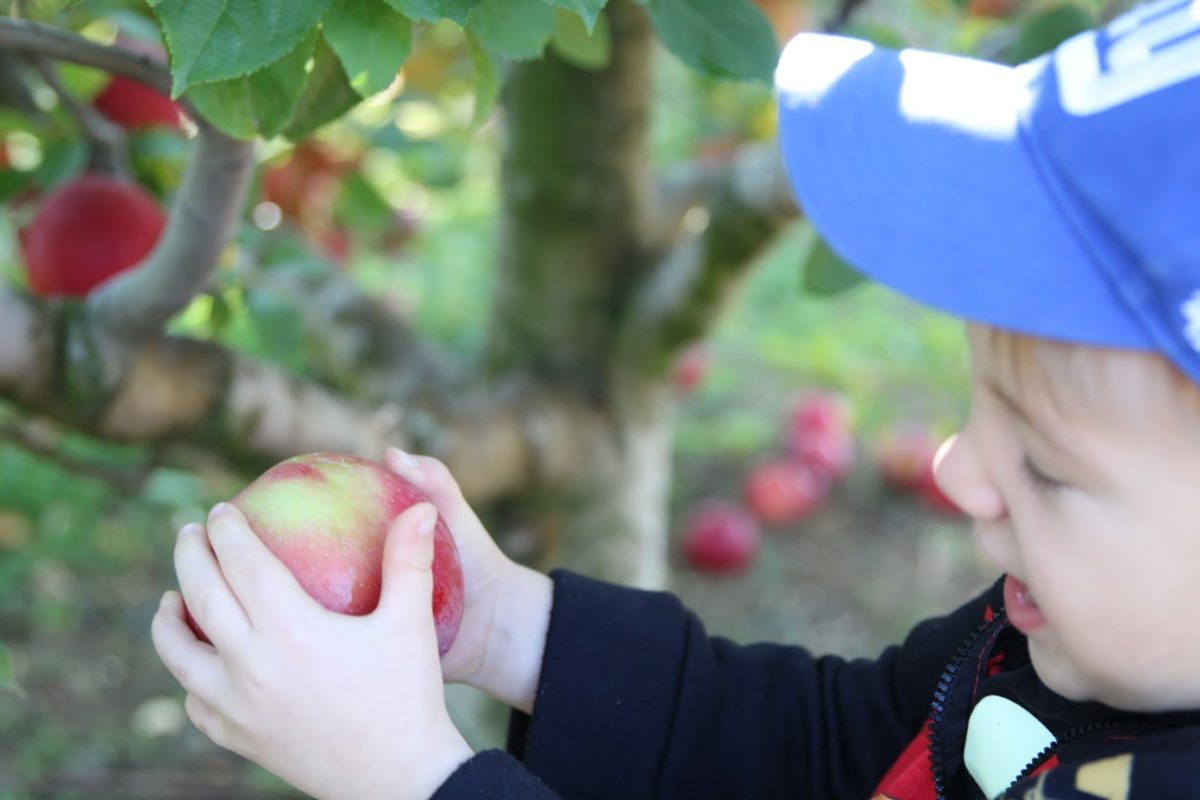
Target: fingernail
403	461
428	520
189	529
218	511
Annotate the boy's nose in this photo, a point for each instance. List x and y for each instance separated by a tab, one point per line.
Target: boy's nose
960	475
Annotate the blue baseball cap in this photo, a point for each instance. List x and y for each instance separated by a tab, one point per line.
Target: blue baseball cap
1058	198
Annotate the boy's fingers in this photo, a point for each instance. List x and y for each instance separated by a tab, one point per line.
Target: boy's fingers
407	593
209	598
207	720
433	478
258	579
194	664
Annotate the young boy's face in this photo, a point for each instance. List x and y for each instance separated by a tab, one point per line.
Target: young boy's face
1094	508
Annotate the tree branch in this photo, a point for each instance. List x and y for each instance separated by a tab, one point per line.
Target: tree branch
13	91
203	219
110	146
207	205
36	39
356	343
750	201
497	441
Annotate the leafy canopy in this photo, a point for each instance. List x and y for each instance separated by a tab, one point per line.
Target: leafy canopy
288	66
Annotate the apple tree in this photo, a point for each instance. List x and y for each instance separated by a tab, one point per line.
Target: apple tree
152	152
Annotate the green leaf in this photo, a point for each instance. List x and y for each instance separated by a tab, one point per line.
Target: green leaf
825	273
259	104
216	40
327	96
576	45
487	81
517	29
723	38
588	10
373	41
8	674
878	33
1048	28
434	10
362	208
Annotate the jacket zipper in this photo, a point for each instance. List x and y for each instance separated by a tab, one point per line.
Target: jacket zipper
938	707
1066	738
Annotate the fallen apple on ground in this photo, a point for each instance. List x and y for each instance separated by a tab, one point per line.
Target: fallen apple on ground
784	490
720	537
818	433
326	517
904	455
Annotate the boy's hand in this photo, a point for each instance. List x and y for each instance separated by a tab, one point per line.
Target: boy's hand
506	607
338	706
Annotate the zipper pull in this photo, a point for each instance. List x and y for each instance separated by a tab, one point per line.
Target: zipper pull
1003	739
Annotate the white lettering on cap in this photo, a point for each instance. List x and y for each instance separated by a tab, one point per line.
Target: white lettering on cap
1150	48
1191	319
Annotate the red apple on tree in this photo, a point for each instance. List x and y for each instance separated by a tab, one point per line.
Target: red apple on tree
326	517
86	231
133	105
720	537
784	490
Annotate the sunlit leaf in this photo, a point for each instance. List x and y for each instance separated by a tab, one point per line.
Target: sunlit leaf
434	10
825	272
587	10
327	95
518	29
1048	28
723	38
372	40
216	40
259	104
486	81
574	44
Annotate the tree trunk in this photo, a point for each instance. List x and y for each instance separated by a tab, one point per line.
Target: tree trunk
573	246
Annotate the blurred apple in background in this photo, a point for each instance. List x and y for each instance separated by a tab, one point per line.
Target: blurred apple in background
691	367
819	433
784	490
904	455
720	537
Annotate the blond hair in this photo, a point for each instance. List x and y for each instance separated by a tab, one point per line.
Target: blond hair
1136	385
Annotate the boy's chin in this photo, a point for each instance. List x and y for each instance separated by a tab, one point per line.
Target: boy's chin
1058	673
1063	678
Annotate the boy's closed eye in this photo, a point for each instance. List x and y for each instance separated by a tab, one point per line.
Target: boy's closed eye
1038	478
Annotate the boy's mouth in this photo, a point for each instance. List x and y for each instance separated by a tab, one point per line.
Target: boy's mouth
1023	611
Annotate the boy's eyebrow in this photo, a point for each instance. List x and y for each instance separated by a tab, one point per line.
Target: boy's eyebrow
1017	410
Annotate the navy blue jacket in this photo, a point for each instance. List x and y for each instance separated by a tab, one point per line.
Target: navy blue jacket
636	700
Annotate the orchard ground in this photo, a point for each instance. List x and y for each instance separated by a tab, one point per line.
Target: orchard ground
82	566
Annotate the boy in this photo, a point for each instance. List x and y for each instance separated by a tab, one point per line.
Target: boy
1055	207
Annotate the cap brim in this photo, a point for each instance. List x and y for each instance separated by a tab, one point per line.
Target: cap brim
913	167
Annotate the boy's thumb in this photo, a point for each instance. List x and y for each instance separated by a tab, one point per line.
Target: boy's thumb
408	563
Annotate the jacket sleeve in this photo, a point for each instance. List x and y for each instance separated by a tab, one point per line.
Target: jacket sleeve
493	774
635	700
